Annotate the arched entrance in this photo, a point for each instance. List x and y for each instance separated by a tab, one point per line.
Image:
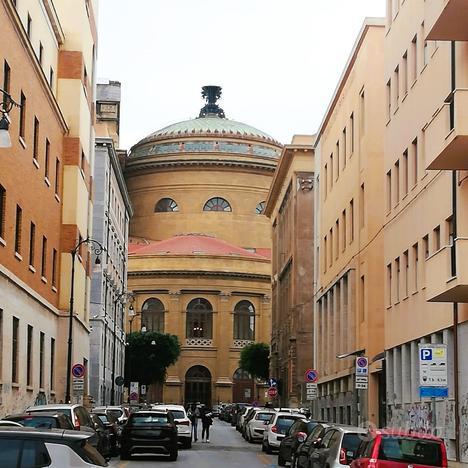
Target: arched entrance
198	385
243	387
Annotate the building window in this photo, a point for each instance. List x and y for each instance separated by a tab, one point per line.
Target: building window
397	86
2	211
436	239
51	77
22	115
415	266
32	243
397	279
362	299
46	159
36	138
426	246
397	182
351	218
41	359
389	99
54	268
244	321
166	205
389	191
338	156
260	208
337	238
57	176
344	146
389	285
199	319
343	229
52	363
404	74
152	315
44	257
362	207
14	350
29	356
6	81
415	161
41	52
331	170
405	172
406	273
325	254
362	109
325	184
217	204
29	26
351	121
18	228
414	58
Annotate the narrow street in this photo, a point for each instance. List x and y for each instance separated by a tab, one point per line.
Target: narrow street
227	448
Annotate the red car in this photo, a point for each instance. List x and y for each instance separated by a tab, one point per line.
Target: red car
397	449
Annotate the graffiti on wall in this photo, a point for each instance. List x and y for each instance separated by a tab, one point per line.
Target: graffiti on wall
420	418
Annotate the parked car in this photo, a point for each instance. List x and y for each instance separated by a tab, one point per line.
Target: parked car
240	416
276	429
120	412
255	427
78	415
4	423
112	424
104	437
236	411
184	426
54	448
296	435
337	448
394	449
149	432
215	411
46	420
252	411
300	458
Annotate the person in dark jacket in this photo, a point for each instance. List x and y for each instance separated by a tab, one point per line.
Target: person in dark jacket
207	421
193	415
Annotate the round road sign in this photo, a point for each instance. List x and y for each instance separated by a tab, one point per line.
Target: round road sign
272	392
78	371
119	381
362	362
311	375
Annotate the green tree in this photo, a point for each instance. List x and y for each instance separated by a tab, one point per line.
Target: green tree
148	355
255	359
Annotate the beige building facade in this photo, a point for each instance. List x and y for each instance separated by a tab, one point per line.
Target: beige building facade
426	223
199	261
348	318
47	63
290	207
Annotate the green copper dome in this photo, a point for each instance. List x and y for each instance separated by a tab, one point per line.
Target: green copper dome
209	124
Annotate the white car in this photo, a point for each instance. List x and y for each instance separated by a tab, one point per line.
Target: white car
117	411
184	426
255	428
54	448
276	429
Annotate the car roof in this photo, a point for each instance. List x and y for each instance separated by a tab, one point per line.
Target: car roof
58	406
398	433
44	434
49	414
291	415
168	407
347	429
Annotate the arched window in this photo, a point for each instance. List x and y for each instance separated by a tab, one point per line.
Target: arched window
199	319
244	321
166	205
241	374
152	315
217	204
260	208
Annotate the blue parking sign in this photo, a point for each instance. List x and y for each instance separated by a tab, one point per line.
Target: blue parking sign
426	354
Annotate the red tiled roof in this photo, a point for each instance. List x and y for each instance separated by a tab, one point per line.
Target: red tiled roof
189	244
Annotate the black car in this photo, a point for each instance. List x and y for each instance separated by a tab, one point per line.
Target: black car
149	432
296	435
51	420
104	438
300	458
112	424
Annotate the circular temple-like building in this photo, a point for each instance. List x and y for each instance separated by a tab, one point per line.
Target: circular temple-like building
199	255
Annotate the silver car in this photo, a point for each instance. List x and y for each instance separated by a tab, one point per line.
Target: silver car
255	428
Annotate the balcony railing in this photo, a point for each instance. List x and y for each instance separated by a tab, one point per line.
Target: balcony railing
447	273
446	135
445	20
199	342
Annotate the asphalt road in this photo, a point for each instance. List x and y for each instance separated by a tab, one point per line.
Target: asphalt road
226	449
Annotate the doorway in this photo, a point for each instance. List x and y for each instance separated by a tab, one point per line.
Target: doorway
243	387
198	385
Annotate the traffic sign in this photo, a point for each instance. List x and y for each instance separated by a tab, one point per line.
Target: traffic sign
272	392
433	376
78	370
134	396
272	382
78	386
311	375
362	365
119	381
311	391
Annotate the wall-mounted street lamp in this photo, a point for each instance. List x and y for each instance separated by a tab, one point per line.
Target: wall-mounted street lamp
6	105
97	249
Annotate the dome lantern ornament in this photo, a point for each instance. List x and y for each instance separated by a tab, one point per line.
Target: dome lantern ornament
211	95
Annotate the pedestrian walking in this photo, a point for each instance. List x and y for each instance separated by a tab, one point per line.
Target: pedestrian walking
193	415
207	421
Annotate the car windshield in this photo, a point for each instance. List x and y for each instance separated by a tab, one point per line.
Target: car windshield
351	443
264	416
283	423
43	422
103	418
410	450
116	412
65	411
143	419
178	414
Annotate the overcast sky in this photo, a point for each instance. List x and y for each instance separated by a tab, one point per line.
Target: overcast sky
278	61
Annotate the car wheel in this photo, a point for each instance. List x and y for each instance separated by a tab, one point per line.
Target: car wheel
188	444
281	461
268	449
173	455
124	455
263	447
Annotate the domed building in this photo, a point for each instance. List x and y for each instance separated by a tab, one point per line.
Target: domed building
199	256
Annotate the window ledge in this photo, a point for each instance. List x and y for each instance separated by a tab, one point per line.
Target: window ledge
2	241
15	385
44	279
30	388
22	142
36	163
54	289
57	198
404	298
413	83
18	256
47	181
396	109
31	268
396	302
415	292
404	96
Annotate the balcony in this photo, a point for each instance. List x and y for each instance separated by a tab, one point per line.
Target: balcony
441	284
445	20
446	135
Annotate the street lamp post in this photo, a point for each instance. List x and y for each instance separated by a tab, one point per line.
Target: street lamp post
97	249
117	300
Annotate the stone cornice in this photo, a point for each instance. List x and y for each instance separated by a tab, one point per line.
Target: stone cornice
166	273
